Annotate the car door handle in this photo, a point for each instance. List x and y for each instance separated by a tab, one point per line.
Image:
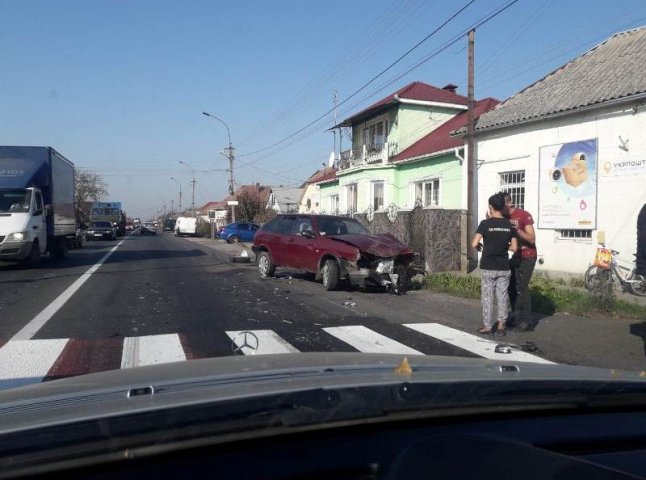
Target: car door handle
35	227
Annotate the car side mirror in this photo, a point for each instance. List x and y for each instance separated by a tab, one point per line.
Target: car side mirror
308	233
48	209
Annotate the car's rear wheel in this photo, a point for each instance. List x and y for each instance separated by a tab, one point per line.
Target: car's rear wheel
233	239
330	274
266	267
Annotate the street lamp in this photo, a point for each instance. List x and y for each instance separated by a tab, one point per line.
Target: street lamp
180	193
193	185
229	154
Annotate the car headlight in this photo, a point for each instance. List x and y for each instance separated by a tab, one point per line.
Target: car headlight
385	266
16	237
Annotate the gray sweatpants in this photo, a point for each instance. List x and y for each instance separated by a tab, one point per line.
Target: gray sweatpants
495	284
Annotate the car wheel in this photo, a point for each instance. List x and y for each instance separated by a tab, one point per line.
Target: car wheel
265	266
330	274
233	239
33	260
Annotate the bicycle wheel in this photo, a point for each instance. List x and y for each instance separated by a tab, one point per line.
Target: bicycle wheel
591	277
637	285
596	277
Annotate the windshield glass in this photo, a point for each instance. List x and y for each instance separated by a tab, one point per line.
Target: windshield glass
341	226
15	201
319	184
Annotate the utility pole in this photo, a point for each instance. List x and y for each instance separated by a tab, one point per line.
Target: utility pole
470	253
230	156
336	94
180	193
193	187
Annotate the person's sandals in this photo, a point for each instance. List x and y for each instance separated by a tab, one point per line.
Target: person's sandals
485	331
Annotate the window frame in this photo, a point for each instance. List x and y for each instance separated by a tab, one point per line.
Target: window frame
518	198
373	184
423	183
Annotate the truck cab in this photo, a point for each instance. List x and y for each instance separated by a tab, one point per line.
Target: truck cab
23	229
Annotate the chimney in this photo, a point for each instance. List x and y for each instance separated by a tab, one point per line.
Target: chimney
449	87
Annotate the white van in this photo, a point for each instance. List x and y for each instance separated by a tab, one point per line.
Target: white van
185	226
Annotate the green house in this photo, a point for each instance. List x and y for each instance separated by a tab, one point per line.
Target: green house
403	154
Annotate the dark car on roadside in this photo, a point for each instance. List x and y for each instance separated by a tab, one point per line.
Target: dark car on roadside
238	232
169	225
101	231
334	249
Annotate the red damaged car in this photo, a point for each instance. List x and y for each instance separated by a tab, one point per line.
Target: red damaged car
332	249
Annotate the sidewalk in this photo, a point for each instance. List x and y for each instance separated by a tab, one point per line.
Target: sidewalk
230	249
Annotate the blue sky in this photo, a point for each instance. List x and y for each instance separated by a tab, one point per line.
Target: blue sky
119	86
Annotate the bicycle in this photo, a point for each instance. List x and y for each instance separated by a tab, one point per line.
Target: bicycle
631	282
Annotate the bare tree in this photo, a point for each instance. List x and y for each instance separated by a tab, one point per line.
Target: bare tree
89	187
252	208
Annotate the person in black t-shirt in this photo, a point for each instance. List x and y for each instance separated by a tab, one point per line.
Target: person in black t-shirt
499	237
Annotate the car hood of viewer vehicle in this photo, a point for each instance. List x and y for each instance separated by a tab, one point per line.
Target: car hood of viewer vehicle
379	245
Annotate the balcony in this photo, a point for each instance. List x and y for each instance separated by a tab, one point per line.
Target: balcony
366	155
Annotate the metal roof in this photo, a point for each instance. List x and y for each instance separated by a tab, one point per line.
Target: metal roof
611	71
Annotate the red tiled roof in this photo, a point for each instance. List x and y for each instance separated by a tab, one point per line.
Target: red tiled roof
440	139
412	91
324	175
263	190
211	206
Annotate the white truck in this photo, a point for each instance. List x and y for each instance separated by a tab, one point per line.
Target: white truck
185	226
36	204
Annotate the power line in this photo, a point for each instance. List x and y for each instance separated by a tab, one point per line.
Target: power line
363	87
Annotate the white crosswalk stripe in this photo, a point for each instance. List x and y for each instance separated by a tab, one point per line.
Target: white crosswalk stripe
261	342
369	341
151	350
23	362
472	343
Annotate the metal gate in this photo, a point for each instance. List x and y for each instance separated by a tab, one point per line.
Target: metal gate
417	232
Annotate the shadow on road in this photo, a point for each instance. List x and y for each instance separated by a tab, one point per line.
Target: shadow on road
639	330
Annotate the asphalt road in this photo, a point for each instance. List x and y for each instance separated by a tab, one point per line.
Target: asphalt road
157	299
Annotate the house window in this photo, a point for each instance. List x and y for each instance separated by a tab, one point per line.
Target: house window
514	184
374	135
334	203
351	192
575	234
427	193
378	196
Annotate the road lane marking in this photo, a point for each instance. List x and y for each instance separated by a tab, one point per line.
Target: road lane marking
369	341
151	350
84	356
268	342
39	321
472	343
23	362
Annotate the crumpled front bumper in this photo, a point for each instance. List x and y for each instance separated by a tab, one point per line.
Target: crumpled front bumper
367	276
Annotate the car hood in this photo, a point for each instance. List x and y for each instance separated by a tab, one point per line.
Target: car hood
100	229
247	377
384	245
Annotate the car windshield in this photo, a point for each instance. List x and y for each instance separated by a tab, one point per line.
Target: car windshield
15	201
331	187
341	226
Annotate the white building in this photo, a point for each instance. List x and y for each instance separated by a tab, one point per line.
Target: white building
571	148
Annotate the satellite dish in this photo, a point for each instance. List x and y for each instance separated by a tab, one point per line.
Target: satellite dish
330	162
